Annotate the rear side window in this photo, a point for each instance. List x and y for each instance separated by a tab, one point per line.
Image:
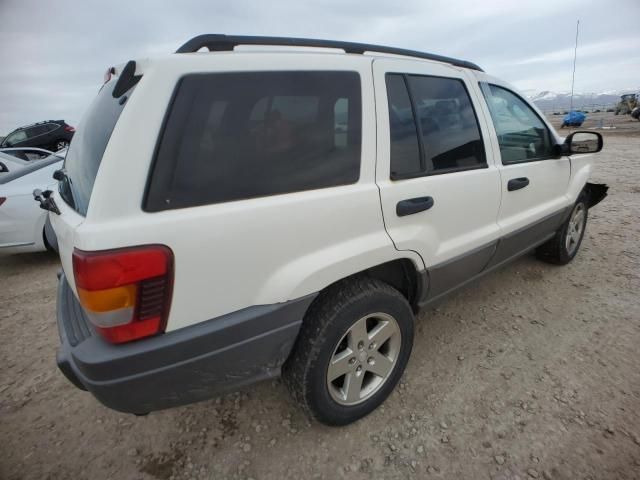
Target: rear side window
35	131
88	146
433	126
233	136
405	150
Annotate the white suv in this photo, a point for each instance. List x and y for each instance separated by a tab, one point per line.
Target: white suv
227	216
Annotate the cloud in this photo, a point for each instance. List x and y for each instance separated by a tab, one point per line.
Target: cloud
54	54
620	46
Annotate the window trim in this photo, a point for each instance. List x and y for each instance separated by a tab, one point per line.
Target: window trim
554	156
427	169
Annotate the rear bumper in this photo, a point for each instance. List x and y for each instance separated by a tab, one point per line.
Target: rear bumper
179	367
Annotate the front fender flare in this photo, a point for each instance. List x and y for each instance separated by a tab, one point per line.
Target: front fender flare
597	193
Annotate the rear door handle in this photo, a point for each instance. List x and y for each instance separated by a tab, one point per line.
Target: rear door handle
517	183
413	205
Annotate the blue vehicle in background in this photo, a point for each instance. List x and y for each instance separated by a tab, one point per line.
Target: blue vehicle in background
573	119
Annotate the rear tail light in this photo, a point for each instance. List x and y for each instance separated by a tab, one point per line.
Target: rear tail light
69	128
126	293
2	200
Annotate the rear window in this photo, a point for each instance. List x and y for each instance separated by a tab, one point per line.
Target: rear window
88	146
234	136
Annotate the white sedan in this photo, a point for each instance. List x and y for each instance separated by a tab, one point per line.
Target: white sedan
22	221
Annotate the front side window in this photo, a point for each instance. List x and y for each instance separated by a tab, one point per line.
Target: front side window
234	136
522	135
433	126
17	137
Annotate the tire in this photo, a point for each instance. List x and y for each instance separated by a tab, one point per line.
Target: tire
332	331
564	246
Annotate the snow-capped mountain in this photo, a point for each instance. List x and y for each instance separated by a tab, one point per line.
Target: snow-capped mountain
547	100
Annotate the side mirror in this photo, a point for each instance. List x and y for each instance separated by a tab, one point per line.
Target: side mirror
3	168
583	142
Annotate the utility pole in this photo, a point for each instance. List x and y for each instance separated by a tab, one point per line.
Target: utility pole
573	76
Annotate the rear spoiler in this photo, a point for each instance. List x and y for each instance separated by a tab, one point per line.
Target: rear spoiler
127	78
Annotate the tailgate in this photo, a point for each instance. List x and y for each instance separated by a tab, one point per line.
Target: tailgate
65	226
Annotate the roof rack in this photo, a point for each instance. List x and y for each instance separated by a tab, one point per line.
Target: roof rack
220	42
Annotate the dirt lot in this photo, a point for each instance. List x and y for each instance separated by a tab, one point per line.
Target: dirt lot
532	373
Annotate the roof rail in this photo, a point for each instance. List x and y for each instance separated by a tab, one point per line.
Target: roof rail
220	42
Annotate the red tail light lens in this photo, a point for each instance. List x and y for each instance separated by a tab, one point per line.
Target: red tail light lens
126	293
69	128
2	200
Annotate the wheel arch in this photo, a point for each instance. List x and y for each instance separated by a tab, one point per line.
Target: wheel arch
401	273
596	192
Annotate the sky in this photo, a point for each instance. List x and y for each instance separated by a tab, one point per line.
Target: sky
53	55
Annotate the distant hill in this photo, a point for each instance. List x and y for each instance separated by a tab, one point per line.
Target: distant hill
554	101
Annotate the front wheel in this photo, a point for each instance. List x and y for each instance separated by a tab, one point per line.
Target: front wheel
563	247
353	347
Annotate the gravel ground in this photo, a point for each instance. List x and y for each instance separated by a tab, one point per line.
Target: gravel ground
531	373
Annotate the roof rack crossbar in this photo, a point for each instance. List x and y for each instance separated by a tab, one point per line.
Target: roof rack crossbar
220	42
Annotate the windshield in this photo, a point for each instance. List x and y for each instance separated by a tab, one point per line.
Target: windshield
88	146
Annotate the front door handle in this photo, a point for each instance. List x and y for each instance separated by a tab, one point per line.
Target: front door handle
413	205
517	183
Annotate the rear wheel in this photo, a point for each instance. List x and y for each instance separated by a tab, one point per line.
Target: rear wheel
563	247
352	350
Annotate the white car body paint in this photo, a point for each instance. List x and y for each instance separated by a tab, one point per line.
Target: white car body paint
234	255
21	219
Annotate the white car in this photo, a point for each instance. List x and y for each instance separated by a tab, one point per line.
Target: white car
22	222
229	216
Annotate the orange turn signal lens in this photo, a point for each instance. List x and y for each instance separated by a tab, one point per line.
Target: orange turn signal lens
109	299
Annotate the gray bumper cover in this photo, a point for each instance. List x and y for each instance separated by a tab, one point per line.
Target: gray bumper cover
183	366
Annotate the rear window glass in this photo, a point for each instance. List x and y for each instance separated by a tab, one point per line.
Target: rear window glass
233	136
88	146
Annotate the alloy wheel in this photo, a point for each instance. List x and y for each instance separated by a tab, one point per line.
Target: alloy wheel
364	359
575	228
